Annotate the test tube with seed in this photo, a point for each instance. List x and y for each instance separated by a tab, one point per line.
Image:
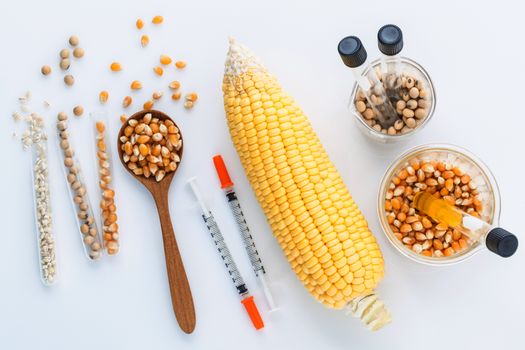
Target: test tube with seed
77	190
390	43
42	200
108	209
354	55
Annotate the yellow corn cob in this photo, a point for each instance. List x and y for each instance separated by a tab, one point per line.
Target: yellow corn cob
318	225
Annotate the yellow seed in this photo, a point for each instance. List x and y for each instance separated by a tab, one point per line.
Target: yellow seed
176	96
157	95
192	96
188	104
78	52
115	66
103	96
144	40
127	101
148	104
100	126
143	149
123	118
139	23
174	85
158	70
180	64
135	85
165	59
157	20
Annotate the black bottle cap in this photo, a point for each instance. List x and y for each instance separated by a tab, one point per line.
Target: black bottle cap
352	51
390	39
501	242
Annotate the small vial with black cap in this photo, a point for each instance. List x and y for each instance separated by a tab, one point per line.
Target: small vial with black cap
390	43
497	240
354	55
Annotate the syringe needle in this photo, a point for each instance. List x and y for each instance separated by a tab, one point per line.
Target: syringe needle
249	244
247	300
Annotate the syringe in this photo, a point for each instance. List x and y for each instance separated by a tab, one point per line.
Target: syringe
222	248
249	244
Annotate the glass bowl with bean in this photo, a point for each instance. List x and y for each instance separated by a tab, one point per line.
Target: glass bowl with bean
412	94
450	173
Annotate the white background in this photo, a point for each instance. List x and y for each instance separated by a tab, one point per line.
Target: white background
473	52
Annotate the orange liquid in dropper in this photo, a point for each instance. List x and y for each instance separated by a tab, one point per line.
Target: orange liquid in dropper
438	209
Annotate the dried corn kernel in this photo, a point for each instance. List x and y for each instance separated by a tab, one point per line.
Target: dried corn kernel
174	85
188	104
144	40
103	96
115	66
157	20
180	64
192	96
148	104
139	23
158	70
165	59
135	85
157	95
176	96
127	101
123	118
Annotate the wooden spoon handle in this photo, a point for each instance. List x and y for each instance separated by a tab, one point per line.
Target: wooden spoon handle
179	287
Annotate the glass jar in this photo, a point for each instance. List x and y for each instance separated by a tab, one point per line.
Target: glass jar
486	185
407	66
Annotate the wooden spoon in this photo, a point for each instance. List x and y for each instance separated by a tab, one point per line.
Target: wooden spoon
179	287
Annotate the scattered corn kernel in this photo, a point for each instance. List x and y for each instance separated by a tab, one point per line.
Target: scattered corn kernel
188	104
115	67
139	23
123	118
176	96
127	101
157	95
180	64
157	20
136	85
103	96
148	104
174	85
165	59
192	96
158	70
144	40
